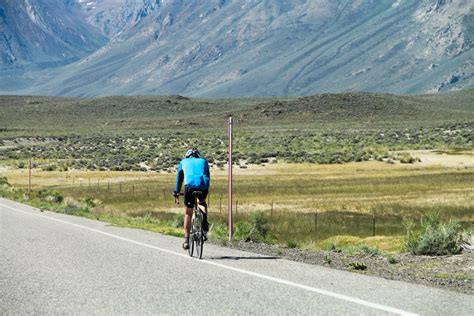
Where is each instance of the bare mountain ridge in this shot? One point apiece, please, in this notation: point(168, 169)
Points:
point(268, 47)
point(45, 33)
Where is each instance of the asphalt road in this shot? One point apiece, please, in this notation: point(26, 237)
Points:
point(54, 263)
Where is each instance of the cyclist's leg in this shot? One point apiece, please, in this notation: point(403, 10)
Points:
point(203, 207)
point(188, 213)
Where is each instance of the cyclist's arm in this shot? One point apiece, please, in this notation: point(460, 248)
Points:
point(179, 178)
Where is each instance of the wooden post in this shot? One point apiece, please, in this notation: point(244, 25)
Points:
point(236, 208)
point(29, 180)
point(231, 223)
point(120, 188)
point(147, 192)
point(316, 225)
point(271, 211)
point(220, 204)
point(373, 222)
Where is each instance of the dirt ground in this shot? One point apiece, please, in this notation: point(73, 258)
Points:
point(454, 273)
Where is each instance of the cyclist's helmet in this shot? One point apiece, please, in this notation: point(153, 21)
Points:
point(193, 153)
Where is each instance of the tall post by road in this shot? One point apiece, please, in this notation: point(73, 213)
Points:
point(231, 224)
point(29, 179)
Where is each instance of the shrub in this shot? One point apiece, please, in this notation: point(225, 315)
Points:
point(4, 182)
point(392, 260)
point(253, 229)
point(218, 232)
point(71, 205)
point(178, 221)
point(357, 265)
point(51, 167)
point(50, 195)
point(407, 158)
point(436, 237)
point(258, 231)
point(90, 202)
point(364, 249)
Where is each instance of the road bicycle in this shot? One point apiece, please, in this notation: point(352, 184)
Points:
point(196, 235)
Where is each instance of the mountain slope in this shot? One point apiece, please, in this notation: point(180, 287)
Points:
point(268, 47)
point(38, 34)
point(44, 33)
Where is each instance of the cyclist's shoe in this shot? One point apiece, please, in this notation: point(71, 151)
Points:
point(186, 244)
point(204, 235)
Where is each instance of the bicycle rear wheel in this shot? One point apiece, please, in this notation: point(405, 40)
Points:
point(191, 243)
point(199, 245)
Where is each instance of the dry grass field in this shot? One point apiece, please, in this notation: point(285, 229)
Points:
point(292, 194)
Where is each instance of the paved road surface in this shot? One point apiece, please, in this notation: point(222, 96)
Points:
point(54, 263)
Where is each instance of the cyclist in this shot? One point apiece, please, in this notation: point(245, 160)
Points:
point(194, 172)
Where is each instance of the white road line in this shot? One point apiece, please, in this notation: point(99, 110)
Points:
point(255, 274)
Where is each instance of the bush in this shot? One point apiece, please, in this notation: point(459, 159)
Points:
point(258, 231)
point(436, 237)
point(407, 158)
point(51, 167)
point(218, 232)
point(178, 221)
point(4, 182)
point(50, 196)
point(71, 205)
point(90, 202)
point(357, 265)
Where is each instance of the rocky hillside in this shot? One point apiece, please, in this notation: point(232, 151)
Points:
point(269, 47)
point(45, 33)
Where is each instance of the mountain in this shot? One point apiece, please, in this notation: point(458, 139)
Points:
point(113, 16)
point(45, 33)
point(270, 47)
point(38, 34)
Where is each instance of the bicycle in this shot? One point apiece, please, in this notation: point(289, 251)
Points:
point(196, 235)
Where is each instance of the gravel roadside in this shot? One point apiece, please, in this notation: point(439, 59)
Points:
point(455, 273)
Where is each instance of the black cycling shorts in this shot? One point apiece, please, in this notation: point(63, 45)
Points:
point(189, 197)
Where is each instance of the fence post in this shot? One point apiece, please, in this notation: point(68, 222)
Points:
point(147, 192)
point(236, 208)
point(316, 225)
point(373, 222)
point(133, 189)
point(120, 187)
point(29, 179)
point(220, 204)
point(271, 211)
point(108, 186)
point(89, 181)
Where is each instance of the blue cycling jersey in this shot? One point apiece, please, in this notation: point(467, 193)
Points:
point(194, 172)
